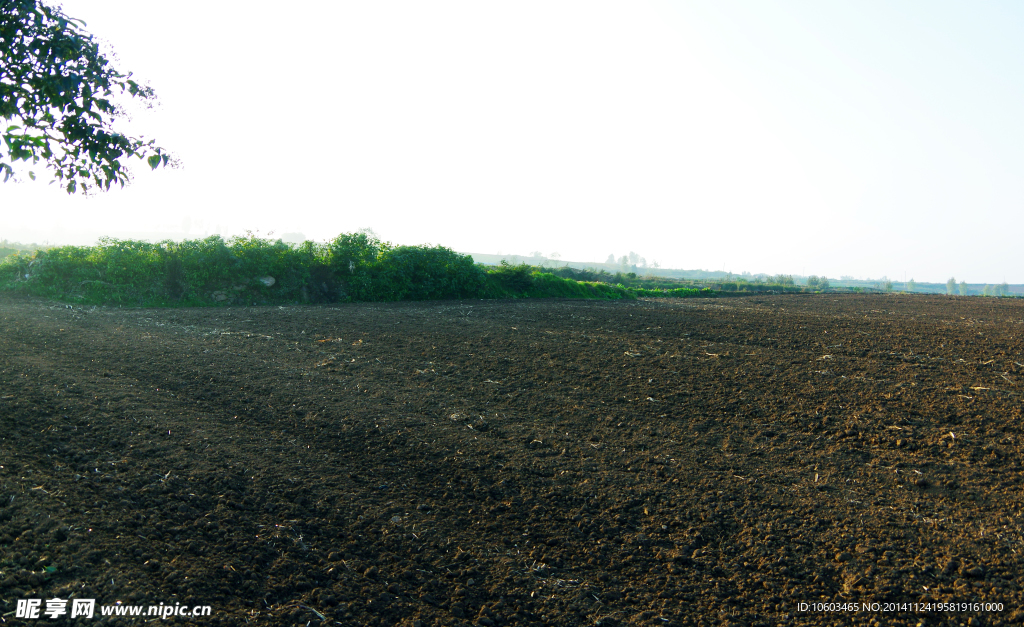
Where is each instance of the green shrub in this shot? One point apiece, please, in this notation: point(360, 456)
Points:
point(195, 268)
point(352, 259)
point(419, 273)
point(13, 268)
point(512, 279)
point(577, 274)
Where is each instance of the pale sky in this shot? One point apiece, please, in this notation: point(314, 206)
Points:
point(838, 138)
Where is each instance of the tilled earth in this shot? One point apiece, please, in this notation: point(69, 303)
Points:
point(690, 462)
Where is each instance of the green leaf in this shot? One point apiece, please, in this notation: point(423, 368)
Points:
point(154, 161)
point(32, 175)
point(55, 64)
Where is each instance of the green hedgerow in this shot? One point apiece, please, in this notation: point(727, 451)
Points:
point(250, 269)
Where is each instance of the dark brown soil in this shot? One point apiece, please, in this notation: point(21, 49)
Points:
point(518, 463)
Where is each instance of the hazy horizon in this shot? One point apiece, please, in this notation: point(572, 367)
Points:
point(847, 138)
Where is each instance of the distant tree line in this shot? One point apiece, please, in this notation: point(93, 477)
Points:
point(817, 283)
point(1000, 290)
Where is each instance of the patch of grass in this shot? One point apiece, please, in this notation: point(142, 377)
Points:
point(678, 292)
point(547, 285)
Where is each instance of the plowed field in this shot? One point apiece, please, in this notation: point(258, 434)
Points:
point(692, 462)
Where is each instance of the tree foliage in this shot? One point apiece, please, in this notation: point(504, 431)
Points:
point(426, 273)
point(251, 270)
point(57, 101)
